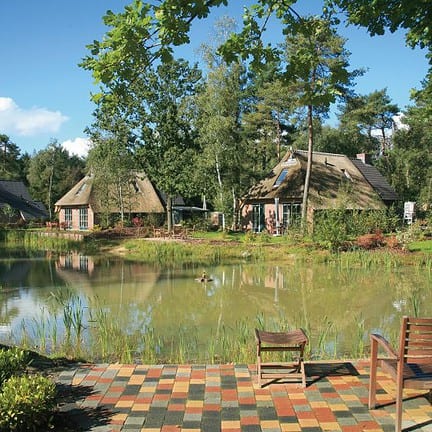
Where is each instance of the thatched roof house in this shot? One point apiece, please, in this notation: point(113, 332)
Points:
point(335, 180)
point(82, 207)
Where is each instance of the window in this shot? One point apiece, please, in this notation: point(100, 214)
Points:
point(291, 214)
point(258, 217)
point(81, 189)
point(281, 177)
point(83, 218)
point(68, 217)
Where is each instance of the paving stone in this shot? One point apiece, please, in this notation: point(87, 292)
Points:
point(212, 398)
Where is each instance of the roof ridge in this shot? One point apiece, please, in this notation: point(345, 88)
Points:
point(322, 153)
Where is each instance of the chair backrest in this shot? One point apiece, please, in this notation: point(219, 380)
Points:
point(416, 340)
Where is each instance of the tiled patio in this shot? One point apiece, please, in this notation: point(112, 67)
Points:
point(226, 398)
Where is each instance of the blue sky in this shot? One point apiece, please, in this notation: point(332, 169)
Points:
point(44, 95)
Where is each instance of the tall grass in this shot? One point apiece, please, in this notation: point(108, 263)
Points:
point(86, 329)
point(169, 253)
point(37, 240)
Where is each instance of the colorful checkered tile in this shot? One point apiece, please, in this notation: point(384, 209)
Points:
point(227, 398)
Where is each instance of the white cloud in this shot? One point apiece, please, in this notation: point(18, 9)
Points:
point(28, 122)
point(77, 146)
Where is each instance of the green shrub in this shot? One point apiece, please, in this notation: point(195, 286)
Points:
point(12, 362)
point(333, 228)
point(330, 228)
point(27, 403)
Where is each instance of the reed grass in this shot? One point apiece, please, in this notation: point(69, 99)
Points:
point(358, 348)
point(219, 248)
point(36, 240)
point(169, 253)
point(90, 332)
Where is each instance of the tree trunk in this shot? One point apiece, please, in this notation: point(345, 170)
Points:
point(278, 138)
point(235, 214)
point(121, 202)
point(308, 168)
point(50, 192)
point(220, 192)
point(169, 213)
point(384, 143)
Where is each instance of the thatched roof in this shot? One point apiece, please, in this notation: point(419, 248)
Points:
point(335, 180)
point(140, 196)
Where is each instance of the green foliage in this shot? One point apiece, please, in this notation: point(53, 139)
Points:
point(333, 229)
point(381, 15)
point(8, 211)
point(408, 166)
point(12, 164)
point(366, 113)
point(340, 140)
point(423, 246)
point(412, 233)
point(27, 403)
point(219, 174)
point(34, 240)
point(267, 122)
point(52, 172)
point(12, 361)
point(330, 229)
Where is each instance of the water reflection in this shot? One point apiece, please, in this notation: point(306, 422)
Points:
point(352, 302)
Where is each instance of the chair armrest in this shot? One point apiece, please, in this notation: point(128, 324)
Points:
point(383, 343)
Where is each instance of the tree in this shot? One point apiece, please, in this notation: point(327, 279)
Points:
point(11, 164)
point(218, 123)
point(267, 121)
point(111, 161)
point(163, 104)
point(152, 30)
point(317, 73)
point(368, 114)
point(146, 33)
point(52, 172)
point(339, 140)
point(379, 15)
point(219, 129)
point(8, 211)
point(142, 35)
point(408, 165)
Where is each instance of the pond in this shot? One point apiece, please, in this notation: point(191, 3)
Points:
point(338, 307)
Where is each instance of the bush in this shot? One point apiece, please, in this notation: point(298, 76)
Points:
point(371, 241)
point(335, 227)
point(13, 361)
point(392, 242)
point(330, 229)
point(412, 233)
point(27, 403)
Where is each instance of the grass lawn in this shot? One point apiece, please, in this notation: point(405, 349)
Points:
point(421, 246)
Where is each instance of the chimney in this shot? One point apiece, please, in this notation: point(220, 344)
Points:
point(365, 158)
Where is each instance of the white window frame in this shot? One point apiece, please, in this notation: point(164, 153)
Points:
point(83, 218)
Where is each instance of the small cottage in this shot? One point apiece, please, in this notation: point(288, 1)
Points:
point(275, 203)
point(86, 203)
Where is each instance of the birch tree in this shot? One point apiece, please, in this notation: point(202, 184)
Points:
point(317, 74)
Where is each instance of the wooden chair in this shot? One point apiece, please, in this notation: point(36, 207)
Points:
point(410, 366)
point(295, 341)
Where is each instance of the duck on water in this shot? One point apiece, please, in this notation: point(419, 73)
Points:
point(204, 278)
